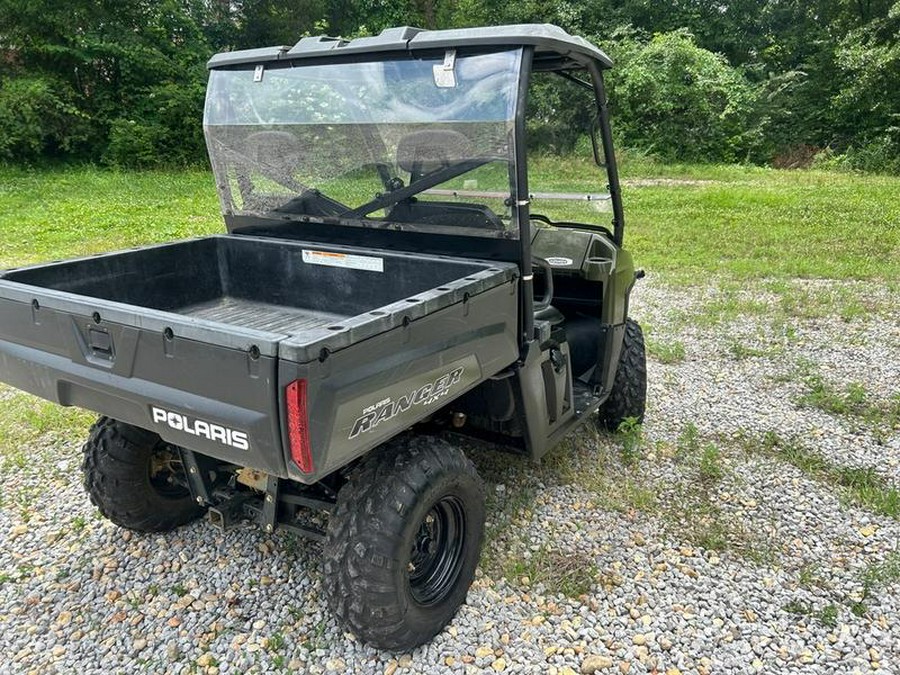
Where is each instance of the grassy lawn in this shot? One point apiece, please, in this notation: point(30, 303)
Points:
point(47, 215)
point(682, 220)
point(756, 222)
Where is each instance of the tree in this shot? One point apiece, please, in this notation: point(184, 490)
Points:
point(122, 81)
point(866, 109)
point(109, 79)
point(682, 102)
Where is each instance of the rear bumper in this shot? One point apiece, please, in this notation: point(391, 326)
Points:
point(213, 400)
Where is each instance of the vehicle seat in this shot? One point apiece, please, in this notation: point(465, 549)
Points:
point(422, 153)
point(551, 314)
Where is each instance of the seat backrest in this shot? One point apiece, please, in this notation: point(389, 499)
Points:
point(424, 152)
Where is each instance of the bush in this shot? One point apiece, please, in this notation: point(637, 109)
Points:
point(681, 102)
point(37, 119)
point(166, 129)
point(881, 155)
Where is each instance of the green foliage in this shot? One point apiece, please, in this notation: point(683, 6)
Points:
point(37, 118)
point(705, 458)
point(122, 82)
point(861, 485)
point(632, 436)
point(789, 83)
point(571, 573)
point(682, 102)
point(666, 352)
point(167, 129)
point(883, 414)
point(710, 465)
point(867, 107)
point(560, 114)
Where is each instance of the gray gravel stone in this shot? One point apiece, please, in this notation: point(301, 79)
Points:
point(80, 595)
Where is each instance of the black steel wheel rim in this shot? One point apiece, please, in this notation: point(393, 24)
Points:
point(436, 557)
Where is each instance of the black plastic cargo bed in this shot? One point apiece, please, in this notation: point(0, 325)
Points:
point(263, 288)
point(207, 329)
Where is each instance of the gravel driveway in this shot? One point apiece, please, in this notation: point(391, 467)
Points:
point(739, 531)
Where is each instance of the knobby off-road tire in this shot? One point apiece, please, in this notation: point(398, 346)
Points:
point(125, 474)
point(403, 542)
point(629, 395)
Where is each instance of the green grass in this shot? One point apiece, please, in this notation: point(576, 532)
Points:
point(731, 220)
point(827, 615)
point(741, 351)
point(666, 352)
point(752, 221)
point(861, 485)
point(728, 306)
point(46, 215)
point(710, 467)
point(809, 576)
point(852, 401)
point(571, 573)
point(694, 510)
point(881, 414)
point(874, 579)
point(27, 421)
point(883, 574)
point(632, 436)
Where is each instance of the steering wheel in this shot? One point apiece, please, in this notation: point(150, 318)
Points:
point(544, 302)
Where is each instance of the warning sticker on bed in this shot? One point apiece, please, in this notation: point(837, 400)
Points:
point(348, 260)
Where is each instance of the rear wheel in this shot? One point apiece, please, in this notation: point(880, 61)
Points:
point(403, 542)
point(629, 395)
point(135, 479)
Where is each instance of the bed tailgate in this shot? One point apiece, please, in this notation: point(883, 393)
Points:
point(205, 388)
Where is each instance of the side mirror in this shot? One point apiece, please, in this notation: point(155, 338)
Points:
point(596, 144)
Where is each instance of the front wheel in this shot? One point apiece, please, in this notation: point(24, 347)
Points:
point(403, 542)
point(135, 479)
point(628, 398)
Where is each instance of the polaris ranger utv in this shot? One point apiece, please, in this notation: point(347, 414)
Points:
point(392, 277)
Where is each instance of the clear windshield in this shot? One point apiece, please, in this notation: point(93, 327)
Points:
point(565, 183)
point(383, 143)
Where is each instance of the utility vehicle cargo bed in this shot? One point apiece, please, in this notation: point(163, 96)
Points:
point(211, 328)
point(267, 290)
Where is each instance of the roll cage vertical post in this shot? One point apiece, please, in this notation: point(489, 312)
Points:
point(521, 201)
point(609, 156)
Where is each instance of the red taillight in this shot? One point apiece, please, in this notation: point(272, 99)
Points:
point(298, 425)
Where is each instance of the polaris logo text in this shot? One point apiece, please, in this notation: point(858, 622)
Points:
point(195, 427)
point(389, 408)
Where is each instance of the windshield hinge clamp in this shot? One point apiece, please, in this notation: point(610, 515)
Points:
point(445, 73)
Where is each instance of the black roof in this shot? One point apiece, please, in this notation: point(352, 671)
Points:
point(547, 40)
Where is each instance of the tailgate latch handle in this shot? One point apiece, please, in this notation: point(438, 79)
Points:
point(101, 343)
